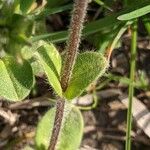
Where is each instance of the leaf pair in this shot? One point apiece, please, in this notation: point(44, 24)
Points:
point(18, 77)
point(88, 67)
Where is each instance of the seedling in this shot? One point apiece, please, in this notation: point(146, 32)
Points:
point(64, 131)
point(62, 126)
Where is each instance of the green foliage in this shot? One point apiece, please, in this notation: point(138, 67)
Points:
point(49, 11)
point(16, 79)
point(10, 7)
point(146, 21)
point(25, 5)
point(90, 28)
point(136, 13)
point(28, 53)
point(53, 3)
point(51, 62)
point(71, 129)
point(18, 31)
point(88, 67)
point(20, 27)
point(95, 26)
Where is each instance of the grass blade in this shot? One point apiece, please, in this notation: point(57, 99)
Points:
point(135, 14)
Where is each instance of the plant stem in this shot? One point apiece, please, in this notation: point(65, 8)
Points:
point(76, 26)
point(131, 85)
point(57, 123)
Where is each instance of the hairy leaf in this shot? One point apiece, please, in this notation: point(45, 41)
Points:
point(16, 79)
point(135, 14)
point(88, 67)
point(51, 62)
point(71, 129)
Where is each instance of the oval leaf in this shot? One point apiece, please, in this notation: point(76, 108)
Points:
point(16, 79)
point(51, 62)
point(88, 67)
point(71, 130)
point(135, 14)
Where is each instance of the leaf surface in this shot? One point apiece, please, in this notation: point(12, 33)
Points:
point(71, 130)
point(51, 62)
point(88, 67)
point(16, 79)
point(135, 14)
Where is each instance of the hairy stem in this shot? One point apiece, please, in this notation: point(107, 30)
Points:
point(76, 26)
point(131, 85)
point(57, 123)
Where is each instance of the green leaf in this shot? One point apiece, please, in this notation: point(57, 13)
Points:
point(25, 5)
point(71, 130)
point(101, 3)
point(50, 11)
point(94, 26)
point(88, 67)
point(10, 7)
point(91, 28)
point(16, 79)
point(21, 25)
point(102, 39)
point(54, 3)
point(28, 53)
point(51, 62)
point(146, 21)
point(135, 14)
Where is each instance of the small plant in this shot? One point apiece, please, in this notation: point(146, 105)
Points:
point(24, 53)
point(62, 126)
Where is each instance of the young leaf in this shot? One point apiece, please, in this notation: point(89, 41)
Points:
point(88, 67)
point(51, 62)
point(135, 14)
point(71, 129)
point(16, 79)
